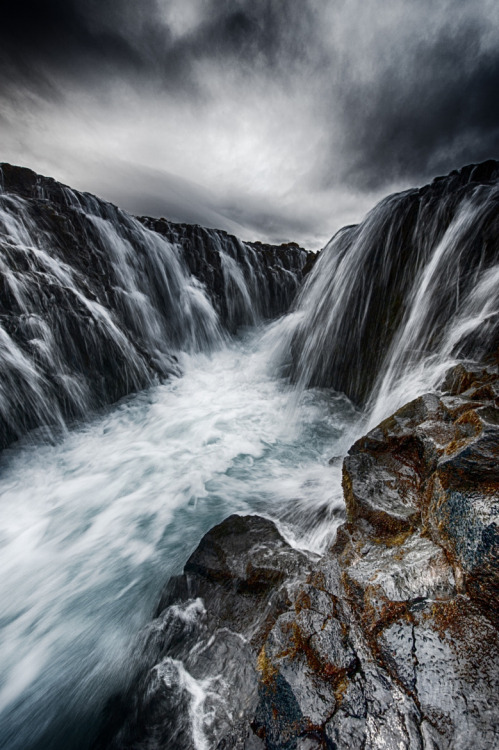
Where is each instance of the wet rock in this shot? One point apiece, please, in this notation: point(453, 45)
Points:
point(460, 379)
point(199, 676)
point(433, 466)
point(384, 472)
point(388, 641)
point(222, 555)
point(393, 642)
point(407, 568)
point(351, 320)
point(95, 305)
point(211, 256)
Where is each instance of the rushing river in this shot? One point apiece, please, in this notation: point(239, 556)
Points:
point(95, 520)
point(92, 526)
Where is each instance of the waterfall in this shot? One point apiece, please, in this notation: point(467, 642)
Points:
point(396, 300)
point(95, 304)
point(247, 281)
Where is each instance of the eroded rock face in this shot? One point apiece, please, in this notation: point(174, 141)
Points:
point(388, 642)
point(434, 466)
point(199, 680)
point(393, 641)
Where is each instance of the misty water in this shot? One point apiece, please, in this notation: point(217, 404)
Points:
point(93, 525)
point(96, 518)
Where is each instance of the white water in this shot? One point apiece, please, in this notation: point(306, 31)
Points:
point(95, 305)
point(92, 527)
point(412, 367)
point(441, 278)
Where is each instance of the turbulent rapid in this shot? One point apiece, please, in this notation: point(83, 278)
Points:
point(145, 397)
point(91, 525)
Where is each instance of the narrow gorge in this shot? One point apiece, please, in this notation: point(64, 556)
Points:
point(249, 494)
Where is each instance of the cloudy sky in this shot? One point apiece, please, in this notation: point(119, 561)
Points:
point(276, 119)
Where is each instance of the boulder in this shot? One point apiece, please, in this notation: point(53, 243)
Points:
point(199, 674)
point(393, 642)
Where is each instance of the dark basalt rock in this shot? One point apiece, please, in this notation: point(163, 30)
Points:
point(211, 621)
point(222, 556)
point(371, 269)
point(434, 466)
point(385, 471)
point(393, 641)
point(311, 261)
point(279, 269)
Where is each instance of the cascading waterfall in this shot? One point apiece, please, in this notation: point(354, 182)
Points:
point(248, 281)
point(394, 302)
point(63, 322)
point(96, 304)
point(427, 345)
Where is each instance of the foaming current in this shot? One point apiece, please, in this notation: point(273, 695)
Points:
point(93, 526)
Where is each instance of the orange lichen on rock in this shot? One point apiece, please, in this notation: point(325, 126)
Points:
point(268, 671)
point(468, 426)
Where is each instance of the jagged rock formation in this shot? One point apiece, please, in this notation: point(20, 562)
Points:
point(388, 641)
point(395, 634)
point(95, 304)
point(200, 653)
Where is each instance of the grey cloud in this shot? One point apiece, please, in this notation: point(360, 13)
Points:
point(389, 93)
point(152, 192)
point(426, 113)
point(84, 39)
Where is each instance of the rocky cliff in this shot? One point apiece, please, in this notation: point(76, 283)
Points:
point(95, 304)
point(416, 282)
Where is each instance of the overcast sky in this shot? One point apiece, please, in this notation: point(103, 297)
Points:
point(276, 119)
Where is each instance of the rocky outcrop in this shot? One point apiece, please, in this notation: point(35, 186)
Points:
point(390, 640)
point(199, 680)
point(96, 304)
point(396, 629)
point(270, 273)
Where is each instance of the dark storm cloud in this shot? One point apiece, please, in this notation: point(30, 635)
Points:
point(430, 110)
point(41, 39)
point(88, 40)
point(286, 112)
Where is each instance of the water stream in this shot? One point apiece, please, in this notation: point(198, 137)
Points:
point(96, 304)
point(92, 526)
